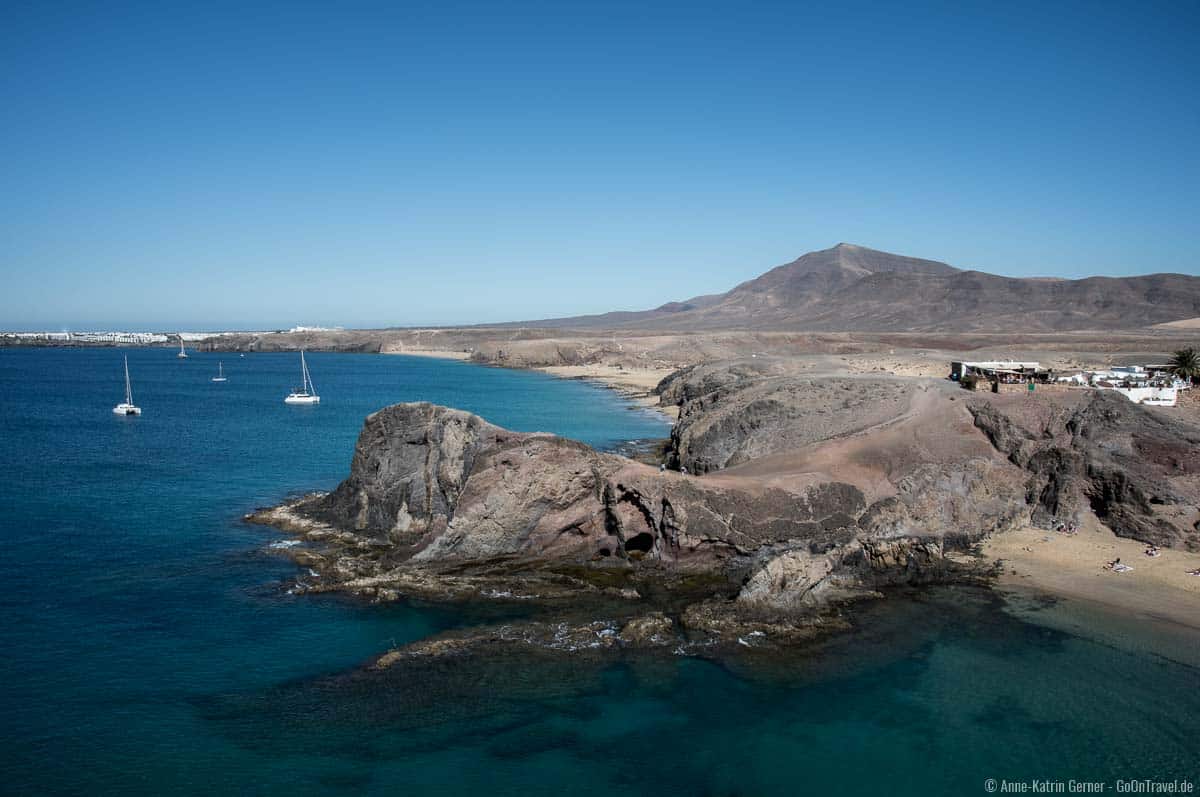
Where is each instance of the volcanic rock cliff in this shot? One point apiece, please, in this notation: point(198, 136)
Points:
point(441, 504)
point(434, 484)
point(803, 494)
point(1138, 470)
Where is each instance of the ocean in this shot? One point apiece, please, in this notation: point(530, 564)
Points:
point(151, 646)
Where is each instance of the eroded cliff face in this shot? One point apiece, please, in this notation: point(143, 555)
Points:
point(911, 537)
point(441, 504)
point(407, 473)
point(805, 493)
point(437, 484)
point(1137, 469)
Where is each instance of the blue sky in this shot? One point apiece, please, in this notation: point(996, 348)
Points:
point(249, 164)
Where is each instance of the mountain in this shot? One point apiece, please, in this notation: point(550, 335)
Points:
point(850, 287)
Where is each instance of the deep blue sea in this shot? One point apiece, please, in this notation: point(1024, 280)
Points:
point(150, 646)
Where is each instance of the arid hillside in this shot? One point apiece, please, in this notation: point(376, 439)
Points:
point(853, 288)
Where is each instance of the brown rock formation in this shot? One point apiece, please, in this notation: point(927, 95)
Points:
point(735, 412)
point(1137, 469)
point(437, 484)
point(439, 503)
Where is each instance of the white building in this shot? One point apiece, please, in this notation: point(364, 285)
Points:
point(992, 367)
point(38, 335)
point(120, 338)
point(1150, 396)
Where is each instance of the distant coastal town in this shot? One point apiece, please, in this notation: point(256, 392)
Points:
point(112, 338)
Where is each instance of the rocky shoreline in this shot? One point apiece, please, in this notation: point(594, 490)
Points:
point(442, 506)
point(577, 605)
point(812, 495)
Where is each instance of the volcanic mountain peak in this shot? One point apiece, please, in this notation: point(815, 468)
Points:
point(854, 288)
point(865, 260)
point(818, 275)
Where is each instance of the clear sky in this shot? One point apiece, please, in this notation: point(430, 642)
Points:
point(252, 164)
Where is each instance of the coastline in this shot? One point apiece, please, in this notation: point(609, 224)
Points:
point(437, 354)
point(635, 384)
point(1072, 567)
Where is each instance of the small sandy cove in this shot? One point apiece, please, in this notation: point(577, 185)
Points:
point(633, 382)
point(440, 354)
point(1074, 566)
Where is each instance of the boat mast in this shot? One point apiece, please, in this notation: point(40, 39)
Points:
point(308, 385)
point(128, 389)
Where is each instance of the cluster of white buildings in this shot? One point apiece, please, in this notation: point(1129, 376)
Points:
point(1153, 385)
point(1141, 384)
point(123, 338)
point(114, 338)
point(1002, 370)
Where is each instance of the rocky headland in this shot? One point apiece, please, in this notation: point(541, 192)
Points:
point(802, 496)
point(820, 457)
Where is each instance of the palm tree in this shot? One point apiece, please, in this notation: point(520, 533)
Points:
point(1185, 364)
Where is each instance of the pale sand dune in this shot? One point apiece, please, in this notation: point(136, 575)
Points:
point(1073, 567)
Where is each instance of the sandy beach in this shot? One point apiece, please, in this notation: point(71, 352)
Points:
point(633, 382)
point(1073, 567)
point(440, 354)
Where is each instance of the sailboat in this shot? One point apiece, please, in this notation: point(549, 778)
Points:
point(126, 407)
point(182, 354)
point(306, 394)
point(220, 377)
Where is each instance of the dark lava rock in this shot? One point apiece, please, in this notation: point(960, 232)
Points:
point(1135, 467)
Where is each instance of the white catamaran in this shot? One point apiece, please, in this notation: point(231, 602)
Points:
point(126, 407)
point(306, 394)
point(182, 354)
point(220, 377)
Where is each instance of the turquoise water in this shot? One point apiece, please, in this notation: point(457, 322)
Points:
point(150, 646)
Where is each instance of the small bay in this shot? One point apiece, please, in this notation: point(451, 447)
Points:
point(151, 646)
